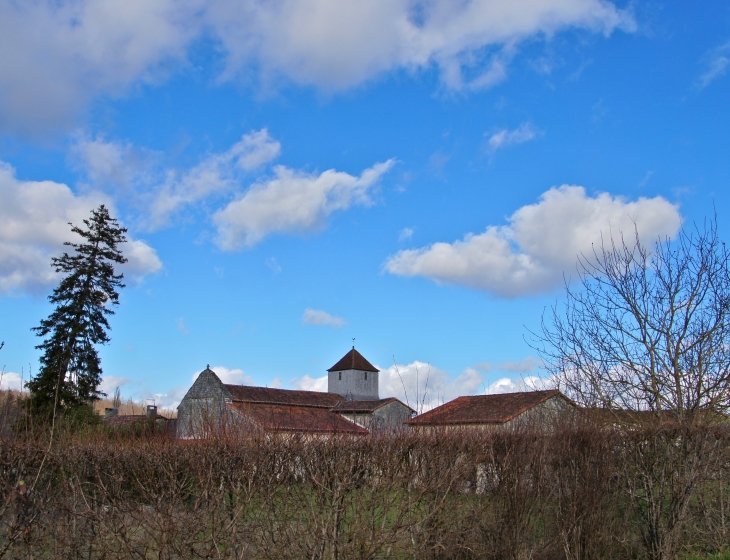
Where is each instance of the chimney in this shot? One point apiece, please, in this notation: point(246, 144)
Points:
point(110, 412)
point(151, 412)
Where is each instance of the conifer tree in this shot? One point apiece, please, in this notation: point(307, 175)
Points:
point(70, 369)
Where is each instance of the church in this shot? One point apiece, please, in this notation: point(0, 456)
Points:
point(351, 405)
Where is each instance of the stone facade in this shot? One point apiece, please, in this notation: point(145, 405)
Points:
point(390, 416)
point(203, 408)
point(354, 384)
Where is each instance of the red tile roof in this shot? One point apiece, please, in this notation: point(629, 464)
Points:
point(483, 409)
point(264, 395)
point(297, 419)
point(353, 360)
point(364, 407)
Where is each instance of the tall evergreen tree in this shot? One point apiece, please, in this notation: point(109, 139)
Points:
point(70, 370)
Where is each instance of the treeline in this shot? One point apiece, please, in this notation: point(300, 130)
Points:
point(572, 491)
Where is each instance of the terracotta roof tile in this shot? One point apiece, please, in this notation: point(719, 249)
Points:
point(353, 360)
point(264, 395)
point(297, 419)
point(365, 406)
point(482, 409)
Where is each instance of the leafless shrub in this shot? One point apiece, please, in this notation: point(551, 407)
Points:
point(531, 492)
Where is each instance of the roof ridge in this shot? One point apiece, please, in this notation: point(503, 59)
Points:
point(279, 403)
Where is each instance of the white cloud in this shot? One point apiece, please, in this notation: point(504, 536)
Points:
point(169, 400)
point(716, 64)
point(505, 137)
point(540, 244)
point(229, 376)
point(418, 384)
point(307, 383)
point(160, 193)
point(61, 55)
point(111, 163)
point(423, 386)
point(142, 259)
point(34, 217)
point(292, 201)
point(111, 382)
point(336, 45)
point(216, 174)
point(405, 234)
point(58, 55)
point(256, 149)
point(321, 318)
point(529, 383)
point(11, 381)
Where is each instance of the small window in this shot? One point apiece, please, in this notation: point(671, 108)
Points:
point(340, 376)
point(366, 376)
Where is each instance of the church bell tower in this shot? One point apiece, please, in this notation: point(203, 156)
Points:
point(354, 378)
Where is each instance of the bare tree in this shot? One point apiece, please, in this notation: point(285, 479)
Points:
point(644, 336)
point(646, 329)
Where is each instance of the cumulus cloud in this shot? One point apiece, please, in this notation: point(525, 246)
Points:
point(505, 137)
point(60, 55)
point(111, 163)
point(716, 63)
point(256, 149)
point(169, 400)
point(418, 384)
point(540, 244)
point(217, 173)
point(321, 318)
point(308, 383)
point(136, 173)
point(11, 381)
point(289, 201)
point(424, 386)
point(528, 383)
point(335, 45)
point(34, 217)
point(292, 201)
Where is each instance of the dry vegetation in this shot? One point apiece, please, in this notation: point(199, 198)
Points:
point(130, 406)
point(573, 491)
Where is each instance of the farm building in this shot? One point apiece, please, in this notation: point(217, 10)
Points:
point(350, 406)
point(490, 411)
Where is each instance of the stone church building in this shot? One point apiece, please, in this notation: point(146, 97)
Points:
point(351, 405)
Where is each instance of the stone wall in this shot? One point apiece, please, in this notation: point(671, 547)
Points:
point(203, 407)
point(353, 384)
point(389, 417)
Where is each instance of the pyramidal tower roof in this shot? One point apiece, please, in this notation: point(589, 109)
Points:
point(353, 360)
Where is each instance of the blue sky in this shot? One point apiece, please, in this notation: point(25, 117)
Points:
point(419, 175)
